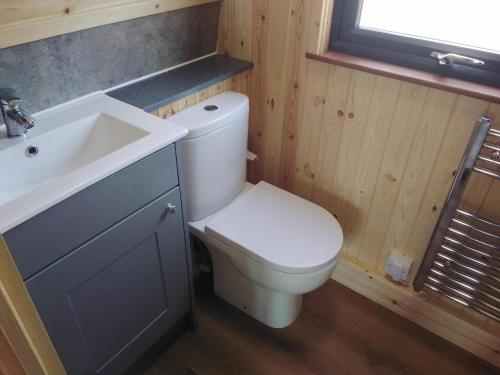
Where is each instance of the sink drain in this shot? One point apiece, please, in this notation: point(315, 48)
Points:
point(31, 151)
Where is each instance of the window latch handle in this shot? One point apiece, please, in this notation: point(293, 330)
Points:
point(452, 58)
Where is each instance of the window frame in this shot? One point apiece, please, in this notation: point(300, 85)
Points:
point(403, 50)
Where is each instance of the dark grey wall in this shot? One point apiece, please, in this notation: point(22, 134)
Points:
point(54, 70)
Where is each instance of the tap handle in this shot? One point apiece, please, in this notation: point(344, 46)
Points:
point(9, 96)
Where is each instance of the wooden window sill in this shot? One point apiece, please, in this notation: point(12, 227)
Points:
point(457, 86)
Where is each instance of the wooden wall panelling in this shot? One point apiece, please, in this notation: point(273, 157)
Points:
point(26, 21)
point(373, 142)
point(269, 77)
point(275, 37)
point(308, 131)
point(298, 90)
point(239, 83)
point(236, 36)
point(295, 66)
point(307, 22)
point(257, 106)
point(435, 118)
point(330, 134)
point(396, 153)
point(355, 120)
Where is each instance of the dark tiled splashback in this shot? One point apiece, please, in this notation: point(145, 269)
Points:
point(55, 70)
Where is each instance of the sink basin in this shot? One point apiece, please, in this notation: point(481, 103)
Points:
point(61, 151)
point(71, 147)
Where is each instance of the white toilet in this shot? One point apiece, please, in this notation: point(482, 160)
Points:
point(268, 246)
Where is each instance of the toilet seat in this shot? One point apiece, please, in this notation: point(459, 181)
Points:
point(279, 229)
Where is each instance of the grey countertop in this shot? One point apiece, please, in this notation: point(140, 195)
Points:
point(158, 91)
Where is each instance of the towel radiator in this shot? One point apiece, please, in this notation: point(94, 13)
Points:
point(462, 261)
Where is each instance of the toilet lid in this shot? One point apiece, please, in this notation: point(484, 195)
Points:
point(279, 229)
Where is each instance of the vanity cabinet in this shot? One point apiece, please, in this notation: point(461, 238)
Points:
point(106, 298)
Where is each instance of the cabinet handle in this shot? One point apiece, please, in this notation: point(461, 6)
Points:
point(170, 208)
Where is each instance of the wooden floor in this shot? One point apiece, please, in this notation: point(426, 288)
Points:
point(338, 332)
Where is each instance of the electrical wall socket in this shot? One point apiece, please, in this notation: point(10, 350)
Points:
point(398, 267)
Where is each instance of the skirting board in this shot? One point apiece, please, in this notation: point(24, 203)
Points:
point(407, 303)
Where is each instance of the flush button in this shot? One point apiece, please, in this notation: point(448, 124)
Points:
point(211, 108)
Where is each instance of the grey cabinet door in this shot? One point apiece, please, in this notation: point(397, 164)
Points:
point(62, 228)
point(106, 302)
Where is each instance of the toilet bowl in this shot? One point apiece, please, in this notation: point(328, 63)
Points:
point(268, 246)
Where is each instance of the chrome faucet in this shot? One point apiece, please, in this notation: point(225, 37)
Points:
point(17, 120)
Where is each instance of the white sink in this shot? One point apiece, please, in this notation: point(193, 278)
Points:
point(74, 145)
point(61, 151)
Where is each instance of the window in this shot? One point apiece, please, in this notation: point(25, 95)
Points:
point(456, 38)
